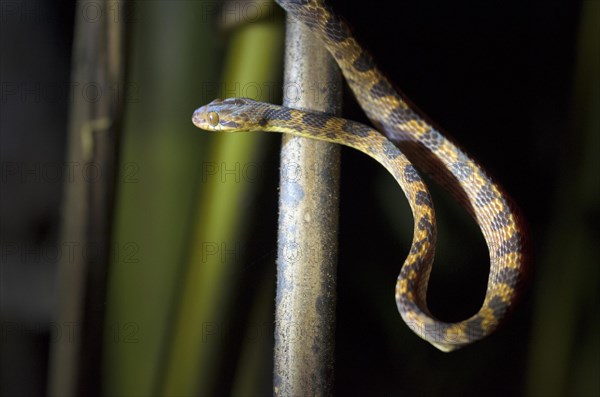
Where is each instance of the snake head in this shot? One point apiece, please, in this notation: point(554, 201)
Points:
point(232, 114)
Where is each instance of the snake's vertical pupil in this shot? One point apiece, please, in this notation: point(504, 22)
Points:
point(213, 118)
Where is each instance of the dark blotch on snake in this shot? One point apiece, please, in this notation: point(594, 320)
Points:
point(432, 139)
point(400, 115)
point(404, 301)
point(390, 150)
point(382, 88)
point(407, 304)
point(508, 276)
point(278, 114)
point(501, 219)
point(422, 198)
point(363, 63)
point(357, 129)
point(461, 170)
point(416, 248)
point(485, 196)
point(315, 120)
point(410, 174)
point(424, 223)
point(513, 244)
point(498, 306)
point(474, 329)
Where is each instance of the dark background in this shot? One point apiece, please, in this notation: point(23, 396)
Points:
point(499, 76)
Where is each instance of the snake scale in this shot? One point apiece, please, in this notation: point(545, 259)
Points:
point(401, 137)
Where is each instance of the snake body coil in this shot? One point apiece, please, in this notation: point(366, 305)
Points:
point(424, 146)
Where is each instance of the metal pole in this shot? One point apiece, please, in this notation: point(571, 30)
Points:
point(308, 224)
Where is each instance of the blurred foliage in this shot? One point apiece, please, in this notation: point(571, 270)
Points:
point(161, 155)
point(214, 270)
point(565, 351)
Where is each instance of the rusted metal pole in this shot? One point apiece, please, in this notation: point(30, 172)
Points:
point(308, 225)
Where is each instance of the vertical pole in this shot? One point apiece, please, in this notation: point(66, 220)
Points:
point(308, 225)
point(93, 141)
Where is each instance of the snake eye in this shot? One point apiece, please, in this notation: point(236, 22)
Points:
point(213, 119)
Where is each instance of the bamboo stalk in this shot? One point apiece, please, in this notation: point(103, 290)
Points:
point(162, 155)
point(95, 121)
point(307, 233)
point(199, 340)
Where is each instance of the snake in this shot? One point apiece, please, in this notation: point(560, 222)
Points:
point(404, 142)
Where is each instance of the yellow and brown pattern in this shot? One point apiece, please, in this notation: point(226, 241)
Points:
point(424, 146)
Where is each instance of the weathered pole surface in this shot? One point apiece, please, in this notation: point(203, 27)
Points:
point(308, 226)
